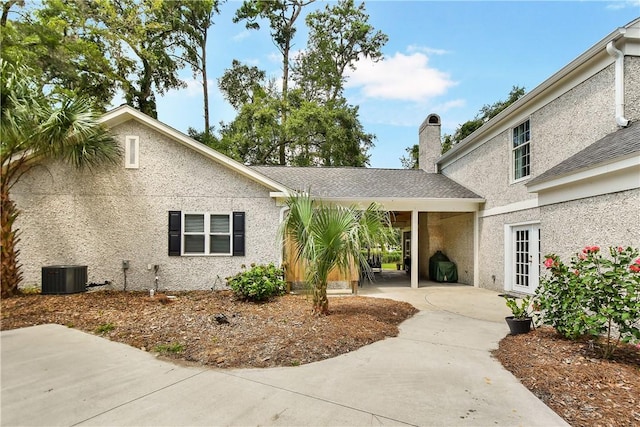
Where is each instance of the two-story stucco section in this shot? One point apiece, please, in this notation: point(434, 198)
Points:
point(100, 218)
point(563, 117)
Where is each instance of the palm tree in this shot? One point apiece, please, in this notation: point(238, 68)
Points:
point(329, 236)
point(36, 128)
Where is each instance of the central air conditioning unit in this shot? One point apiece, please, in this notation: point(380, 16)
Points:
point(64, 279)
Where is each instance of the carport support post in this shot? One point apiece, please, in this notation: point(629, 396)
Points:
point(414, 249)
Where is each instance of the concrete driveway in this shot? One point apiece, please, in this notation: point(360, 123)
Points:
point(437, 372)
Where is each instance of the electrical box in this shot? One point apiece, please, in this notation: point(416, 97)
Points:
point(125, 264)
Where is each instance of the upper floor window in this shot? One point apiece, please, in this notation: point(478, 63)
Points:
point(521, 151)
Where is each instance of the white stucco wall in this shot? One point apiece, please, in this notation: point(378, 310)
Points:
point(632, 87)
point(99, 219)
point(559, 129)
point(608, 220)
point(567, 124)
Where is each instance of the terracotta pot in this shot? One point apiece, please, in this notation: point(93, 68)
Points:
point(518, 326)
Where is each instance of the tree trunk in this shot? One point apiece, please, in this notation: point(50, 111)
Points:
point(10, 276)
point(285, 88)
point(320, 300)
point(205, 88)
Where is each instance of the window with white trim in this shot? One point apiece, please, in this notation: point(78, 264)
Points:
point(521, 149)
point(206, 234)
point(131, 152)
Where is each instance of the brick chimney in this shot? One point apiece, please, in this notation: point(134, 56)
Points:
point(429, 140)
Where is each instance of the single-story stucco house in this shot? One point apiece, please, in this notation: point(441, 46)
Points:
point(557, 170)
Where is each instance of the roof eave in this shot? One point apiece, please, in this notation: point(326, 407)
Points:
point(487, 127)
point(620, 164)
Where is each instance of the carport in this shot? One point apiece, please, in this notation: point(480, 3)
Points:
point(434, 212)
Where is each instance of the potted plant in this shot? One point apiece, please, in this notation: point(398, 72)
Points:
point(520, 322)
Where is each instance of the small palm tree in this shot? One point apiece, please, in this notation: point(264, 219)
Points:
point(329, 236)
point(36, 128)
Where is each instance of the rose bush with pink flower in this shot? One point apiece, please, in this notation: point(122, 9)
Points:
point(593, 295)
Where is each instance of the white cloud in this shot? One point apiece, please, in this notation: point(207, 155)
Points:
point(192, 89)
point(426, 50)
point(622, 4)
point(446, 106)
point(275, 57)
point(241, 36)
point(400, 77)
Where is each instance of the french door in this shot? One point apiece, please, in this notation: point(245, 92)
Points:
point(525, 258)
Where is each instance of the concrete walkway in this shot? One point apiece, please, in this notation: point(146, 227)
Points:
point(437, 372)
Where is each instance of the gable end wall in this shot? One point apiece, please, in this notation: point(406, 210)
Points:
point(99, 219)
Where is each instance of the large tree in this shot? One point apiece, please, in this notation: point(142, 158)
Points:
point(339, 36)
point(241, 84)
point(143, 38)
point(311, 123)
point(318, 134)
point(325, 237)
point(64, 48)
point(196, 19)
point(37, 128)
point(282, 16)
point(328, 134)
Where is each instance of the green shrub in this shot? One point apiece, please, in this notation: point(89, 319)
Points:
point(258, 283)
point(593, 295)
point(392, 257)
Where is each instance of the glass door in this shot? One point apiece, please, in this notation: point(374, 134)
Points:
point(525, 258)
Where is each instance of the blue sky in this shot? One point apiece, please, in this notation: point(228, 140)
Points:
point(448, 58)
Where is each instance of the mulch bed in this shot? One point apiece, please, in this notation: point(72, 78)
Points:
point(572, 379)
point(283, 332)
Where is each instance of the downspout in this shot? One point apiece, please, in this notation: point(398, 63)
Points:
point(619, 83)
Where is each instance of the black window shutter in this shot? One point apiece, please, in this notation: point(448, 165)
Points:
point(175, 225)
point(238, 234)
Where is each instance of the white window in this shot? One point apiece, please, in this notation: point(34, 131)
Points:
point(131, 152)
point(206, 234)
point(521, 149)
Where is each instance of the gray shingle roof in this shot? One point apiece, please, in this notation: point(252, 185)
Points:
point(618, 144)
point(369, 183)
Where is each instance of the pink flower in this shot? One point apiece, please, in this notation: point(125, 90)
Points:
point(637, 261)
point(595, 248)
point(548, 262)
point(582, 256)
point(620, 249)
point(635, 268)
point(576, 272)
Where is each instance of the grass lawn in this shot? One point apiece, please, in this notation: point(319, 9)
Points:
point(390, 266)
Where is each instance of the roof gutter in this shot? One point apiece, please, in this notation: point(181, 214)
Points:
point(619, 81)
